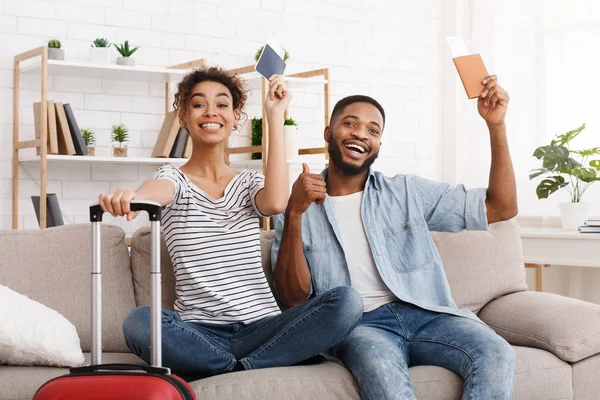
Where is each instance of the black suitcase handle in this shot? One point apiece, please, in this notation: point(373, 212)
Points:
point(119, 367)
point(151, 207)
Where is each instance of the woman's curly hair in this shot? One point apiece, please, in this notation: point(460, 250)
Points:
point(234, 83)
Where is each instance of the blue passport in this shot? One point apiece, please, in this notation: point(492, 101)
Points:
point(269, 63)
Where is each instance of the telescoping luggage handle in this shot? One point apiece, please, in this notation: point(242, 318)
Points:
point(154, 211)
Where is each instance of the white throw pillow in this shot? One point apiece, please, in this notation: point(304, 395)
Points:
point(33, 334)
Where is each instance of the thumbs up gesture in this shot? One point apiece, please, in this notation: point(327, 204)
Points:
point(307, 189)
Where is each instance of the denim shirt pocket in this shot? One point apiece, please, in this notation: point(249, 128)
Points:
point(409, 246)
point(318, 258)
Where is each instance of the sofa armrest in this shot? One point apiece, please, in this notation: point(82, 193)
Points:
point(568, 328)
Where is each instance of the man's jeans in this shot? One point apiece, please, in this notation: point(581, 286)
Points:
point(398, 335)
point(200, 349)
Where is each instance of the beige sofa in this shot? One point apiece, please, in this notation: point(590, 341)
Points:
point(556, 339)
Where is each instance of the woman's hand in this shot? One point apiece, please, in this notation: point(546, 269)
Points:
point(278, 98)
point(117, 203)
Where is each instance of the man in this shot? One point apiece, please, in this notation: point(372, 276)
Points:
point(353, 226)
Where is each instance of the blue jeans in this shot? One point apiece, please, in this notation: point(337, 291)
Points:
point(398, 335)
point(201, 349)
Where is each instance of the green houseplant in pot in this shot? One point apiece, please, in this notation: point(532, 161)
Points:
point(290, 130)
point(574, 170)
point(100, 51)
point(89, 138)
point(120, 135)
point(126, 53)
point(55, 52)
point(256, 136)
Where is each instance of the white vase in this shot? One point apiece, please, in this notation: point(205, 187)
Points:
point(291, 145)
point(100, 55)
point(56, 54)
point(573, 215)
point(129, 61)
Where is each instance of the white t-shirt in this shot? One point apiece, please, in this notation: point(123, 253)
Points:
point(363, 271)
point(214, 245)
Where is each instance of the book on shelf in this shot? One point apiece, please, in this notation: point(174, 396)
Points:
point(592, 223)
point(166, 137)
point(53, 214)
point(180, 143)
point(80, 147)
point(52, 147)
point(189, 146)
point(589, 229)
point(65, 141)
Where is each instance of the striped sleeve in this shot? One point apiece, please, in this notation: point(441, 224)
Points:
point(172, 174)
point(257, 183)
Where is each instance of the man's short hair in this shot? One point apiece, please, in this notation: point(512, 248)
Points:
point(357, 98)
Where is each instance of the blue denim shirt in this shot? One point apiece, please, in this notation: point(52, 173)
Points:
point(397, 214)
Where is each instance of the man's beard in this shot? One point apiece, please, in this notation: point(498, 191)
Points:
point(336, 157)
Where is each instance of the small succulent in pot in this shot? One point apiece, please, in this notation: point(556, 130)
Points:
point(89, 138)
point(120, 135)
point(100, 52)
point(126, 52)
point(55, 52)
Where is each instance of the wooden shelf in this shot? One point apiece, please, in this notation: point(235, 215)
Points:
point(82, 69)
point(105, 160)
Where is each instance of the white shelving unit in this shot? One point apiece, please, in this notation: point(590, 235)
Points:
point(36, 62)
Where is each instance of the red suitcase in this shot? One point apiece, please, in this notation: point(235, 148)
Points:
point(120, 381)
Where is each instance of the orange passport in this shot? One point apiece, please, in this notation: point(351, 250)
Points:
point(471, 71)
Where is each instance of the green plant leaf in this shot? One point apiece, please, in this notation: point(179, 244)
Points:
point(534, 173)
point(549, 186)
point(567, 137)
point(595, 164)
point(585, 174)
point(588, 152)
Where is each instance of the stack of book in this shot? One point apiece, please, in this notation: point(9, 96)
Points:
point(64, 136)
point(590, 226)
point(173, 141)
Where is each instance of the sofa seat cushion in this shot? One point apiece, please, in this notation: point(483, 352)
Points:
point(586, 385)
point(53, 266)
point(540, 376)
point(20, 383)
point(328, 380)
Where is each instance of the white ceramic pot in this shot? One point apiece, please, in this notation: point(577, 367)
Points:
point(291, 144)
point(100, 55)
point(56, 54)
point(129, 61)
point(573, 215)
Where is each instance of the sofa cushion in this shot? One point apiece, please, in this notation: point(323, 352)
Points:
point(482, 265)
point(20, 383)
point(141, 262)
point(586, 385)
point(53, 266)
point(566, 327)
point(540, 376)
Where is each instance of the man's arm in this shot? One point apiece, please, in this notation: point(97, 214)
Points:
point(501, 200)
point(291, 275)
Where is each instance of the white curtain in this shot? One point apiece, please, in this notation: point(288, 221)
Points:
point(546, 56)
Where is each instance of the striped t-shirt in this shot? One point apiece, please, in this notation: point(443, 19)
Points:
point(214, 245)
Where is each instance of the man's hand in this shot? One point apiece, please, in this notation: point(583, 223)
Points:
point(493, 101)
point(308, 188)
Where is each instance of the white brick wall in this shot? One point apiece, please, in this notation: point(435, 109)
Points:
point(387, 49)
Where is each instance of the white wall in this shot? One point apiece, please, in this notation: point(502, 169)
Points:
point(391, 50)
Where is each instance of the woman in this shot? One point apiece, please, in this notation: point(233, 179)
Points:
point(226, 317)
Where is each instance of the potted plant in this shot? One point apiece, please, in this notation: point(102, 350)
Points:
point(256, 136)
point(99, 52)
point(286, 55)
point(290, 130)
point(89, 138)
point(126, 53)
point(571, 169)
point(54, 50)
point(120, 135)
